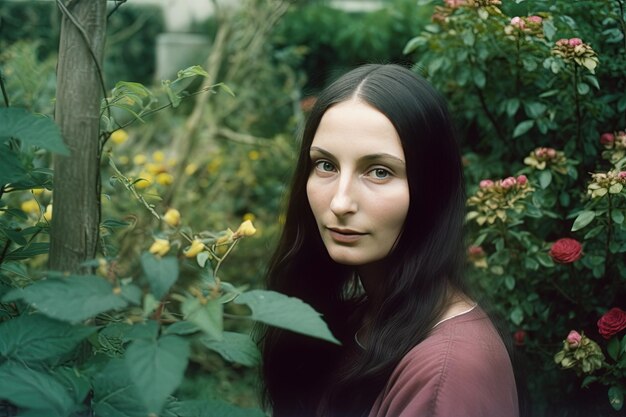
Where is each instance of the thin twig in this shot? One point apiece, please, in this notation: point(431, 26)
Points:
point(4, 91)
point(5, 249)
point(118, 3)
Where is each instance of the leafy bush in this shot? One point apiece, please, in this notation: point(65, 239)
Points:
point(533, 94)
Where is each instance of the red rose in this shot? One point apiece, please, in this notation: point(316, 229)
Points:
point(519, 337)
point(613, 322)
point(566, 250)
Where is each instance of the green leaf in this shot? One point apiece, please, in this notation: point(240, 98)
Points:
point(182, 328)
point(115, 395)
point(544, 259)
point(208, 317)
point(549, 29)
point(31, 130)
point(34, 338)
point(479, 78)
point(468, 37)
point(289, 313)
point(157, 367)
point(517, 316)
point(31, 389)
point(616, 397)
point(523, 127)
point(512, 105)
point(534, 109)
point(617, 216)
point(212, 408)
point(25, 252)
point(583, 219)
point(545, 178)
point(72, 299)
point(161, 273)
point(235, 347)
point(75, 383)
point(193, 71)
point(613, 348)
point(11, 168)
point(509, 282)
point(582, 88)
point(413, 44)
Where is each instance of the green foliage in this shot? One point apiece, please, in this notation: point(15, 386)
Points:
point(532, 109)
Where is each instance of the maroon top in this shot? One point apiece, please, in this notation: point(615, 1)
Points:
point(461, 370)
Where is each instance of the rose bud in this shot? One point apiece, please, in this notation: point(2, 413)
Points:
point(607, 139)
point(534, 19)
point(508, 182)
point(486, 183)
point(551, 152)
point(519, 337)
point(575, 42)
point(573, 339)
point(621, 175)
point(522, 180)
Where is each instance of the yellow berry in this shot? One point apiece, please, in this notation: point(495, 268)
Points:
point(119, 136)
point(172, 217)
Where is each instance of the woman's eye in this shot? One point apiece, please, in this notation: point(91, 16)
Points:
point(325, 166)
point(380, 173)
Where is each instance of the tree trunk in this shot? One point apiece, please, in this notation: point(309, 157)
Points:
point(76, 204)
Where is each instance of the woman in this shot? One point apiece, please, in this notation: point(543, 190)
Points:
point(373, 240)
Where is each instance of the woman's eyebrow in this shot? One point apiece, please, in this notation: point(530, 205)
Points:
point(367, 158)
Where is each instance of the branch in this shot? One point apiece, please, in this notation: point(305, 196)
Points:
point(4, 91)
point(118, 3)
point(242, 138)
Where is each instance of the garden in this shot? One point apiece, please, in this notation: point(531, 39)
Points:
point(137, 215)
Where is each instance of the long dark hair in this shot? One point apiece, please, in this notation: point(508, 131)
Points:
point(307, 377)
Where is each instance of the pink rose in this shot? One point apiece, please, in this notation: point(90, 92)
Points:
point(566, 250)
point(551, 152)
point(575, 42)
point(612, 322)
point(573, 339)
point(522, 180)
point(517, 21)
point(508, 182)
point(622, 175)
point(607, 139)
point(534, 19)
point(485, 183)
point(562, 42)
point(475, 251)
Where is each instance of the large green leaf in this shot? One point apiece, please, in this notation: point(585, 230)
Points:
point(28, 388)
point(72, 299)
point(208, 317)
point(11, 168)
point(161, 273)
point(25, 252)
point(34, 338)
point(115, 395)
point(212, 408)
point(583, 219)
point(289, 313)
point(156, 367)
point(31, 130)
point(235, 347)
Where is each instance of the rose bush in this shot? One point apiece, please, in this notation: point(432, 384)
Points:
point(552, 231)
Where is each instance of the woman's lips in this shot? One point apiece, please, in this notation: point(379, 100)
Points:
point(344, 235)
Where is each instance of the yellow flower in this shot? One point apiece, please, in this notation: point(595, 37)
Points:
point(227, 237)
point(30, 206)
point(172, 217)
point(249, 216)
point(191, 169)
point(119, 136)
point(158, 156)
point(37, 191)
point(164, 178)
point(195, 248)
point(246, 229)
point(139, 159)
point(146, 180)
point(48, 213)
point(160, 247)
point(253, 155)
point(154, 169)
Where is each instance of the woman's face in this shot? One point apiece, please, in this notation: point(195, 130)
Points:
point(357, 189)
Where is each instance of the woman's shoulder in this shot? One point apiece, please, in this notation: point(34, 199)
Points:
point(461, 369)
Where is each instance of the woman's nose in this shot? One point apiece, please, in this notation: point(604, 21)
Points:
point(343, 201)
